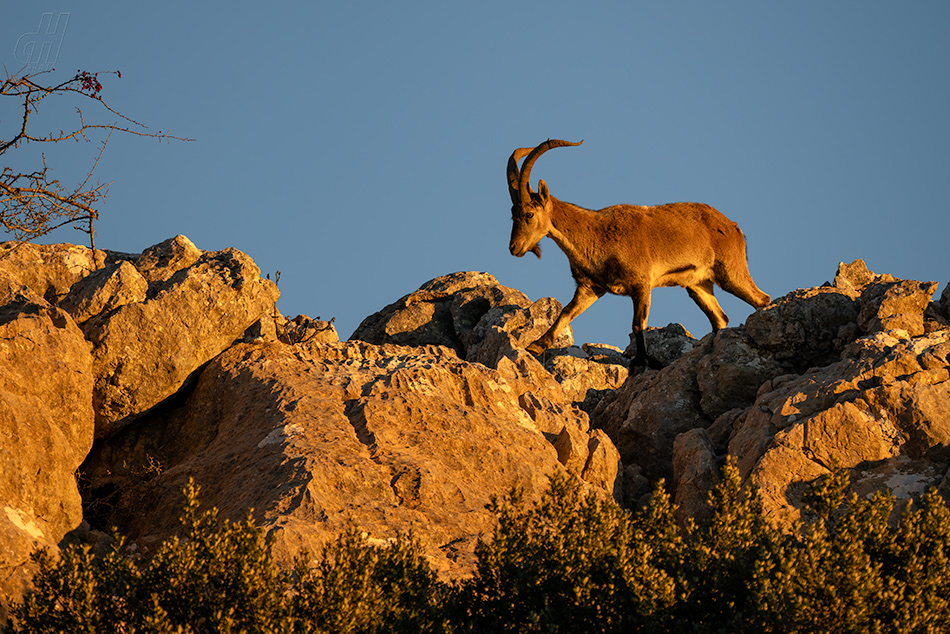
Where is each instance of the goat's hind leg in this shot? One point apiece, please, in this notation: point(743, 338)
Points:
point(702, 294)
point(741, 284)
point(584, 296)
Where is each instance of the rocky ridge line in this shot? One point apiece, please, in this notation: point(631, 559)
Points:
point(146, 370)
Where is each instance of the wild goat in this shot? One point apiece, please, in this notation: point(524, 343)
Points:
point(629, 250)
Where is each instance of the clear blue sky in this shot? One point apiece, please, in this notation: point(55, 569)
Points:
point(360, 147)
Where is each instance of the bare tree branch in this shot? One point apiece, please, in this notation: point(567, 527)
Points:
point(32, 204)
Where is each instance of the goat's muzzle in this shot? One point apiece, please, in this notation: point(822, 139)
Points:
point(519, 253)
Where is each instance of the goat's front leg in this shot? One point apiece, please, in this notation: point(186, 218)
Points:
point(584, 296)
point(641, 313)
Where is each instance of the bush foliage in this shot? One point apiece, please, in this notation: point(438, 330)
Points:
point(571, 562)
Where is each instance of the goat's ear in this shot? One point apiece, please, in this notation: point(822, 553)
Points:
point(543, 190)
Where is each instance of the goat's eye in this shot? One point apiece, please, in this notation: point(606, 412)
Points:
point(528, 215)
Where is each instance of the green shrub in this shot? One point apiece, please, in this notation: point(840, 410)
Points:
point(854, 569)
point(570, 562)
point(219, 577)
point(356, 588)
point(576, 563)
point(718, 566)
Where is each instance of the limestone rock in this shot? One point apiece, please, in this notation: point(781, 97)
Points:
point(721, 375)
point(605, 353)
point(145, 351)
point(499, 350)
point(314, 434)
point(666, 344)
point(603, 466)
point(491, 324)
point(550, 418)
point(646, 414)
point(524, 323)
point(585, 380)
point(730, 374)
point(797, 391)
point(884, 403)
point(897, 305)
point(104, 290)
point(458, 311)
point(49, 270)
point(854, 277)
point(695, 473)
point(302, 328)
point(46, 419)
point(159, 262)
point(572, 451)
point(434, 406)
point(806, 327)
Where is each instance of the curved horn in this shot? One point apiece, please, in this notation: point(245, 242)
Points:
point(529, 162)
point(514, 176)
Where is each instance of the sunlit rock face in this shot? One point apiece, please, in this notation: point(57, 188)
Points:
point(46, 426)
point(851, 375)
point(313, 435)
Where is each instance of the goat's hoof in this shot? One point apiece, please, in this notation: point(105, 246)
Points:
point(646, 361)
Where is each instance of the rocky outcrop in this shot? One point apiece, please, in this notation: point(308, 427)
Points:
point(492, 324)
point(883, 411)
point(178, 363)
point(49, 270)
point(154, 323)
point(46, 418)
point(88, 342)
point(387, 436)
point(314, 435)
point(457, 311)
point(851, 375)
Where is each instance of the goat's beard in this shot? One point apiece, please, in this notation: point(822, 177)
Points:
point(537, 251)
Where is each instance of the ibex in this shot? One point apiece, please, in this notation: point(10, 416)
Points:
point(629, 250)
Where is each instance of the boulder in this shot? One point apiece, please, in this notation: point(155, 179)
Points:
point(105, 290)
point(897, 305)
point(303, 328)
point(705, 388)
point(808, 327)
point(159, 262)
point(665, 345)
point(695, 474)
point(646, 414)
point(730, 373)
point(458, 310)
point(491, 324)
point(853, 277)
point(46, 418)
point(49, 270)
point(500, 350)
point(604, 468)
point(879, 411)
point(585, 375)
point(145, 351)
point(314, 435)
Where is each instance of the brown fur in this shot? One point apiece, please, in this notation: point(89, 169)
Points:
point(630, 250)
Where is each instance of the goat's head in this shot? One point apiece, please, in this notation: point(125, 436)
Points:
point(530, 211)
